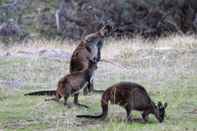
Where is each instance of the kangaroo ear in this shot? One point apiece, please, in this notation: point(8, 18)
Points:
point(165, 105)
point(107, 27)
point(159, 104)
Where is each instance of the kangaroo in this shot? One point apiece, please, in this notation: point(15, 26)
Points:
point(70, 85)
point(89, 48)
point(131, 96)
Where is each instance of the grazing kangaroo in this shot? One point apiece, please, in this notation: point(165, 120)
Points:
point(89, 48)
point(131, 96)
point(70, 85)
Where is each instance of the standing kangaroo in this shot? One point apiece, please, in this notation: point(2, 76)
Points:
point(131, 96)
point(70, 85)
point(89, 48)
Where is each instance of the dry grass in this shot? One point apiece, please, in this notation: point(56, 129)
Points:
point(132, 45)
point(118, 46)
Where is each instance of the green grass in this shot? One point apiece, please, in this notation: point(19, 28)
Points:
point(25, 113)
point(32, 113)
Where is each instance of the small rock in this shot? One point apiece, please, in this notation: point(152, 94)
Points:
point(12, 83)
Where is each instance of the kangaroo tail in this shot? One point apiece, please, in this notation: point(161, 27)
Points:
point(114, 63)
point(42, 93)
point(89, 116)
point(104, 105)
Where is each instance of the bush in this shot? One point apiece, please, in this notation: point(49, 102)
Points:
point(76, 18)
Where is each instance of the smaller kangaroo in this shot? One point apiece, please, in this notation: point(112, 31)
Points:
point(131, 96)
point(70, 85)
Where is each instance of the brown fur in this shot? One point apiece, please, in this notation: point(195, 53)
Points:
point(130, 96)
point(89, 48)
point(70, 85)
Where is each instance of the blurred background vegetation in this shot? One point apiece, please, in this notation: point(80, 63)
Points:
point(72, 19)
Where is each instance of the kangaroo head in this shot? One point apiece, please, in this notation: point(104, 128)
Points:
point(93, 39)
point(106, 30)
point(160, 111)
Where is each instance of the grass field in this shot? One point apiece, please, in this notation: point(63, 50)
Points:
point(167, 69)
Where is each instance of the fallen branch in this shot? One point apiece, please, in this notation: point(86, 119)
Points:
point(113, 63)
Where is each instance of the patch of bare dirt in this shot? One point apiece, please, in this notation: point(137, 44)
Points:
point(56, 54)
point(12, 83)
